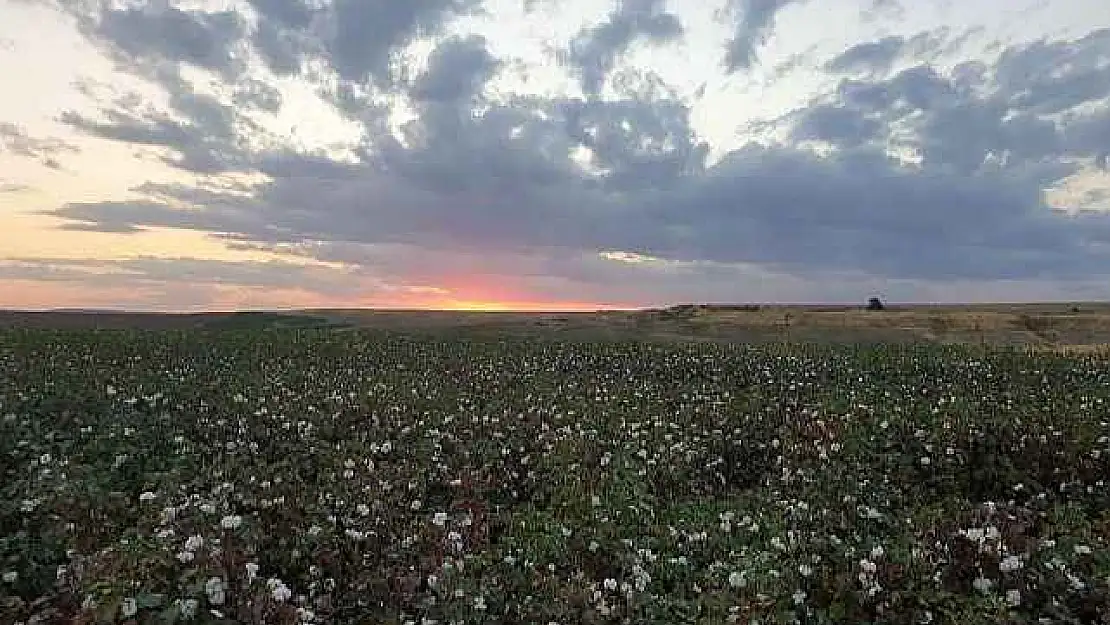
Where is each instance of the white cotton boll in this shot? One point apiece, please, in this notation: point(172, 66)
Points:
point(188, 608)
point(1010, 564)
point(278, 590)
point(129, 607)
point(982, 584)
point(1013, 598)
point(214, 588)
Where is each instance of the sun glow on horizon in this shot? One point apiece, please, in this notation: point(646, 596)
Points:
point(462, 305)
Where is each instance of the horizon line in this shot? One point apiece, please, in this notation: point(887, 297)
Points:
point(528, 310)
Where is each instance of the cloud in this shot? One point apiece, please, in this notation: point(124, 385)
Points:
point(904, 171)
point(359, 38)
point(836, 125)
point(879, 56)
point(296, 14)
point(978, 117)
point(352, 41)
point(595, 51)
point(147, 271)
point(457, 69)
point(872, 56)
point(1047, 78)
point(14, 139)
point(204, 134)
point(256, 94)
point(754, 20)
point(153, 32)
point(877, 9)
point(365, 34)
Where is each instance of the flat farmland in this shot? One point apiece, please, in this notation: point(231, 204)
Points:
point(261, 473)
point(1040, 326)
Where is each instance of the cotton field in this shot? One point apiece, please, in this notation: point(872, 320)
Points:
point(304, 476)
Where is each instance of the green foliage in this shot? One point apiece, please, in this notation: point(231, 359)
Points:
point(274, 475)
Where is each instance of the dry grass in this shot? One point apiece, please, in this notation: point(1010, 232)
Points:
point(1073, 328)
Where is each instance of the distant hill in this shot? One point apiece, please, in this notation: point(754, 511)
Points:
point(1038, 324)
point(105, 320)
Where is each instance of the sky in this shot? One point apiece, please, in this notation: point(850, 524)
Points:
point(551, 154)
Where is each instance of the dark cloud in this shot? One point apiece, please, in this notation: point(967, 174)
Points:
point(365, 34)
point(871, 56)
point(880, 55)
point(595, 51)
point(754, 22)
point(836, 125)
point(859, 210)
point(457, 70)
point(868, 214)
point(284, 50)
point(131, 128)
point(357, 39)
point(961, 200)
point(643, 139)
point(14, 139)
point(199, 38)
point(980, 117)
point(204, 134)
point(1046, 78)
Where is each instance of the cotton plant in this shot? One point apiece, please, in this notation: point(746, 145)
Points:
point(416, 481)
